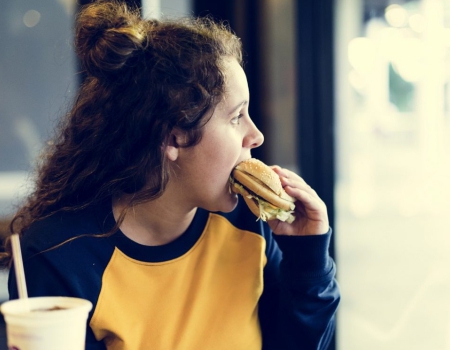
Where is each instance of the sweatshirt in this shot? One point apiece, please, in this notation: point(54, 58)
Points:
point(226, 283)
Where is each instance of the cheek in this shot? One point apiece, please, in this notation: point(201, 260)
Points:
point(219, 149)
point(223, 145)
point(232, 141)
point(217, 164)
point(225, 156)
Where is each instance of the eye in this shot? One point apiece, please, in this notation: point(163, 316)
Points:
point(237, 120)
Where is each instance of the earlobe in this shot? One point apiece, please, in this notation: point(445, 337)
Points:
point(173, 145)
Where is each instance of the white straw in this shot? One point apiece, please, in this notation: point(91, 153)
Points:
point(18, 266)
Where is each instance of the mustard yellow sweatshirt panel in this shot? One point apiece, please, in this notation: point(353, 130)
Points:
point(204, 299)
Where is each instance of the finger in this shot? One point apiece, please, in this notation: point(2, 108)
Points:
point(298, 182)
point(306, 198)
point(280, 171)
point(285, 174)
point(310, 200)
point(289, 178)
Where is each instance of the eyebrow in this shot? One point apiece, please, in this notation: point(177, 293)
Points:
point(238, 106)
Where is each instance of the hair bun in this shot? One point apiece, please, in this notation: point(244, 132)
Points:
point(108, 34)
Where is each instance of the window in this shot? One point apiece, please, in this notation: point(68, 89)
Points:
point(393, 189)
point(37, 81)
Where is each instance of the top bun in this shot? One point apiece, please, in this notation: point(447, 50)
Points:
point(262, 172)
point(265, 175)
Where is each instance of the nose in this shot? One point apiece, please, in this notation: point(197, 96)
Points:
point(253, 138)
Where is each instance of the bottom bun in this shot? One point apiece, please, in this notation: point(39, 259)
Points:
point(282, 201)
point(262, 209)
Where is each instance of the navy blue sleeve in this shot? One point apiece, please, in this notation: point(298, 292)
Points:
point(72, 269)
point(43, 279)
point(300, 298)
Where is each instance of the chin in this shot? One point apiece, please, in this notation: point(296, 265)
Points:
point(232, 204)
point(225, 204)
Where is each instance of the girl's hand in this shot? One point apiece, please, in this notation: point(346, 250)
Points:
point(310, 211)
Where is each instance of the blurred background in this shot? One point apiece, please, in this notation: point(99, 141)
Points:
point(352, 94)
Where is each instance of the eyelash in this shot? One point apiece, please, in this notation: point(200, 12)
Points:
point(236, 120)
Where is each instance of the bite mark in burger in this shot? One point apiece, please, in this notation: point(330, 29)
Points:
point(262, 191)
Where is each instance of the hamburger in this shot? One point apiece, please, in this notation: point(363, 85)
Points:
point(262, 191)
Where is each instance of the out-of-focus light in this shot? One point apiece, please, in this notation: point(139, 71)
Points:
point(396, 15)
point(14, 184)
point(409, 71)
point(31, 18)
point(446, 36)
point(362, 194)
point(362, 54)
point(408, 60)
point(417, 23)
point(356, 81)
point(388, 41)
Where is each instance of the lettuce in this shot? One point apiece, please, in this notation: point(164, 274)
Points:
point(266, 210)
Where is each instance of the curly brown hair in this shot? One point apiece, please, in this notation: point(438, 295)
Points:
point(143, 79)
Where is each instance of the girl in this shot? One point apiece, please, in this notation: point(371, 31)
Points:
point(132, 209)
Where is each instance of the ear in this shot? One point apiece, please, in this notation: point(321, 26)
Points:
point(172, 146)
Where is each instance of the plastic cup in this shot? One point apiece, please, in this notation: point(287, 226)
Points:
point(50, 323)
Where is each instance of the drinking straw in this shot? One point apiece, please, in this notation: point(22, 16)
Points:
point(18, 266)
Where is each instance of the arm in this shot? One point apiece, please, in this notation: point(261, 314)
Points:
point(301, 295)
point(300, 298)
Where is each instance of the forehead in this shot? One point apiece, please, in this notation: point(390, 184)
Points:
point(236, 86)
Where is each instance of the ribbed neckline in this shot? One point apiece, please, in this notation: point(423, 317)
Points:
point(155, 254)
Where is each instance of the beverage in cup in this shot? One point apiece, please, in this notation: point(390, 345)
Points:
point(50, 323)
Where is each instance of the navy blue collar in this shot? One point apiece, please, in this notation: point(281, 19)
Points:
point(165, 252)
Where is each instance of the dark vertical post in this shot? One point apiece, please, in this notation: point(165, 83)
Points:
point(315, 102)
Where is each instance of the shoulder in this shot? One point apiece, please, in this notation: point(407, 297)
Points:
point(61, 256)
point(65, 226)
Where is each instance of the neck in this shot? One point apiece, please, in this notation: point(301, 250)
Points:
point(153, 223)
